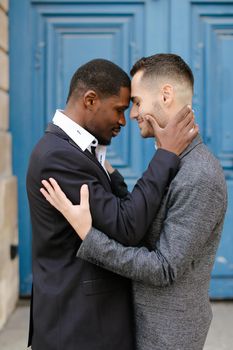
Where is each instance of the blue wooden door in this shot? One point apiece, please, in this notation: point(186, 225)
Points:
point(49, 39)
point(204, 37)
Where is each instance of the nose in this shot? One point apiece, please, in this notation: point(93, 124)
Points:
point(133, 113)
point(122, 120)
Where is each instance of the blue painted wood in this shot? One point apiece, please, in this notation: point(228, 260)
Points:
point(72, 35)
point(224, 261)
point(21, 126)
point(56, 36)
point(206, 41)
point(221, 288)
point(108, 2)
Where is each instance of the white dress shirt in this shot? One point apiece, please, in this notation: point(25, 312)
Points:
point(80, 136)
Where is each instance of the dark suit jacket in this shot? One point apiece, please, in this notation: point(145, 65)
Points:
point(77, 305)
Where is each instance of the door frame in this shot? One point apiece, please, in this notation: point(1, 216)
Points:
point(24, 127)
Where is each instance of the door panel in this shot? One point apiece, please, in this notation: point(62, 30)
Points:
point(208, 46)
point(69, 35)
point(57, 36)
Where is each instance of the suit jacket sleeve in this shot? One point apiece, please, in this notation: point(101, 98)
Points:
point(193, 213)
point(124, 219)
point(119, 187)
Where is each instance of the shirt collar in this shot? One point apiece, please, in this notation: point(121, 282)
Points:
point(79, 135)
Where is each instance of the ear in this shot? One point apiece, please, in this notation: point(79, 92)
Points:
point(90, 99)
point(167, 94)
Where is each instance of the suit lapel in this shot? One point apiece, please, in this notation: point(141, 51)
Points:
point(54, 129)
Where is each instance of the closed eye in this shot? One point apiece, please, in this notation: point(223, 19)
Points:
point(135, 101)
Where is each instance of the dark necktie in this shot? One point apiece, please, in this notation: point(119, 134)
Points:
point(93, 150)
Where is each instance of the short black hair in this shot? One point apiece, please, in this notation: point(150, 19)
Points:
point(164, 64)
point(100, 75)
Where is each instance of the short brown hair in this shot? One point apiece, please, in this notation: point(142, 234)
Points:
point(164, 64)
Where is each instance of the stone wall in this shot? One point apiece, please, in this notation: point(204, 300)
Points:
point(9, 280)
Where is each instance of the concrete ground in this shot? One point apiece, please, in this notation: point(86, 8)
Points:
point(220, 337)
